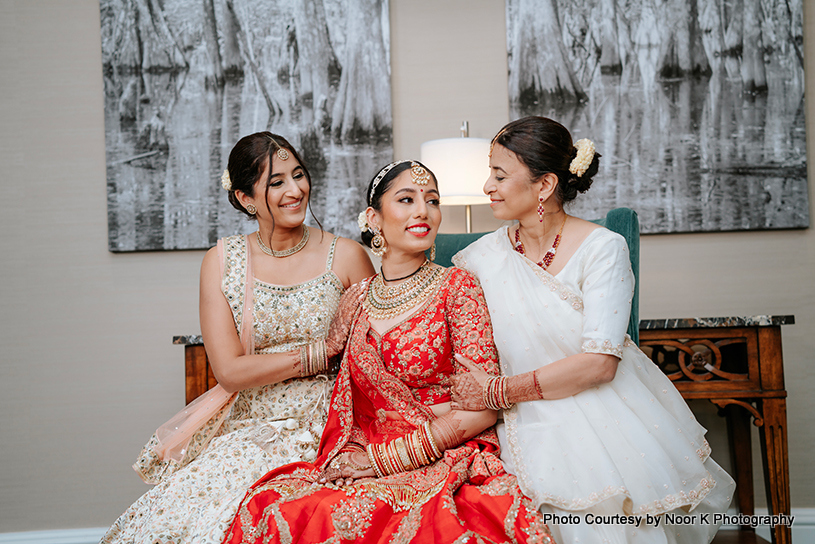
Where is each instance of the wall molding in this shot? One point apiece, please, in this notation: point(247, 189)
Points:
point(61, 536)
point(803, 530)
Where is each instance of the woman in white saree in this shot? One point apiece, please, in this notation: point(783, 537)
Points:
point(597, 435)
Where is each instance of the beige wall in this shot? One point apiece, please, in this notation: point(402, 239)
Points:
point(86, 367)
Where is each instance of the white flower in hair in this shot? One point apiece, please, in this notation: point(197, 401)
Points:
point(226, 181)
point(362, 220)
point(585, 154)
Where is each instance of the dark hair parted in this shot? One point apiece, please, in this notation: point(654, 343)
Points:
point(382, 187)
point(545, 146)
point(248, 159)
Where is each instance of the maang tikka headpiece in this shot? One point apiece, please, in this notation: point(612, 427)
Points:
point(418, 174)
point(282, 152)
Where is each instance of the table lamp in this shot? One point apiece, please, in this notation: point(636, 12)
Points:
point(461, 166)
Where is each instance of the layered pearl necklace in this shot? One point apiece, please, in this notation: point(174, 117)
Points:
point(286, 252)
point(550, 254)
point(384, 302)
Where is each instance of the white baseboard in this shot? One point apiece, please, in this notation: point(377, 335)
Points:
point(63, 536)
point(803, 530)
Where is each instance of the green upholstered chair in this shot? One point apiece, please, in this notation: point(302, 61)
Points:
point(620, 220)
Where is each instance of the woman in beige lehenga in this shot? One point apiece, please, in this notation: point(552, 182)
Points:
point(269, 292)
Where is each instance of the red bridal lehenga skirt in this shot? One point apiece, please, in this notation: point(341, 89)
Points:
point(464, 497)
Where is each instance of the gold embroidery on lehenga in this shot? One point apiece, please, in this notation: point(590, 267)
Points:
point(408, 527)
point(352, 517)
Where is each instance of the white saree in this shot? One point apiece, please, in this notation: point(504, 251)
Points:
point(629, 447)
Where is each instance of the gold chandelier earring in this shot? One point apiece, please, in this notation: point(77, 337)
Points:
point(433, 252)
point(378, 246)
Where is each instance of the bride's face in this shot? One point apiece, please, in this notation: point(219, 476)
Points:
point(513, 194)
point(410, 215)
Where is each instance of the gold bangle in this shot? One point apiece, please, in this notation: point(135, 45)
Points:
point(436, 451)
point(303, 361)
point(372, 459)
point(404, 456)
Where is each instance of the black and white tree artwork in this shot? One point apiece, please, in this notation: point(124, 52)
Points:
point(185, 79)
point(697, 106)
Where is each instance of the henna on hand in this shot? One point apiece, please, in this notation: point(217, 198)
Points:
point(447, 432)
point(467, 393)
point(523, 387)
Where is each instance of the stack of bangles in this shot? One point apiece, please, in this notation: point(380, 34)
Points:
point(495, 393)
point(405, 453)
point(313, 359)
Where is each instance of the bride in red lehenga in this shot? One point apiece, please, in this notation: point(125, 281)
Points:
point(396, 464)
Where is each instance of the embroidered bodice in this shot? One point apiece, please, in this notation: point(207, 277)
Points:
point(285, 316)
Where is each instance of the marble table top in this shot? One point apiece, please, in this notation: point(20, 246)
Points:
point(712, 322)
point(645, 324)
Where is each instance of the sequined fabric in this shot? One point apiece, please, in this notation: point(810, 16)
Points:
point(267, 426)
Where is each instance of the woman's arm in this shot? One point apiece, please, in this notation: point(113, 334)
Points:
point(564, 378)
point(607, 286)
point(234, 370)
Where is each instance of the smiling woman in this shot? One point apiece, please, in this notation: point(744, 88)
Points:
point(396, 463)
point(266, 302)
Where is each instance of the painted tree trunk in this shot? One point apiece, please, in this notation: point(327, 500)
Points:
point(538, 65)
point(210, 32)
point(362, 110)
point(316, 60)
point(711, 28)
point(610, 61)
point(753, 75)
point(231, 58)
point(683, 50)
point(158, 46)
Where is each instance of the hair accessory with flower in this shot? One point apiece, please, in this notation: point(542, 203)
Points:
point(226, 181)
point(362, 220)
point(585, 154)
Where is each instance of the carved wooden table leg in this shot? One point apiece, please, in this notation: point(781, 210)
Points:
point(741, 453)
point(776, 464)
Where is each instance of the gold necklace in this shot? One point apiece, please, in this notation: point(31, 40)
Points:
point(286, 252)
point(384, 302)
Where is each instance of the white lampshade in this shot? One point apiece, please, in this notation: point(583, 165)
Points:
point(461, 166)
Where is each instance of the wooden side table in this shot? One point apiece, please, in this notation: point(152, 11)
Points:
point(735, 363)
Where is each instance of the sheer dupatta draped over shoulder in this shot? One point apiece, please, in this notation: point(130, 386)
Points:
point(633, 439)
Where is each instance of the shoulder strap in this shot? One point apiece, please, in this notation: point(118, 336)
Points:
point(330, 261)
point(247, 333)
point(220, 249)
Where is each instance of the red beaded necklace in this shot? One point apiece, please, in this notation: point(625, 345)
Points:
point(550, 255)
